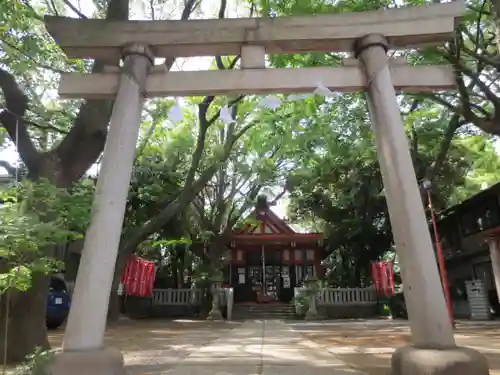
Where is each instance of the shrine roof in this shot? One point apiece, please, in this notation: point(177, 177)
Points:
point(473, 200)
point(271, 229)
point(299, 238)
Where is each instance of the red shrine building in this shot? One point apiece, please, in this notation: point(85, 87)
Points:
point(268, 259)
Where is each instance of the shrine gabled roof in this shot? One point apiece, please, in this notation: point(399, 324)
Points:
point(274, 227)
point(280, 224)
point(273, 223)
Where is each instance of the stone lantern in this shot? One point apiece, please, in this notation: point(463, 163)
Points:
point(215, 313)
point(311, 283)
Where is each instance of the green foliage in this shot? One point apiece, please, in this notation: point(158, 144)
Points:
point(338, 187)
point(35, 363)
point(184, 242)
point(33, 218)
point(301, 303)
point(207, 273)
point(27, 51)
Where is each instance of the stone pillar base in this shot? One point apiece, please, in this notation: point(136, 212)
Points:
point(107, 361)
point(215, 314)
point(410, 360)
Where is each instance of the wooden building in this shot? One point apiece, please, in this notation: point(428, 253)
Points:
point(467, 232)
point(268, 259)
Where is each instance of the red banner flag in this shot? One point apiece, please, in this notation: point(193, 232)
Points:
point(390, 277)
point(376, 277)
point(138, 277)
point(383, 278)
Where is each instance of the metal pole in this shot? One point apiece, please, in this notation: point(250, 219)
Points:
point(440, 259)
point(263, 270)
point(304, 265)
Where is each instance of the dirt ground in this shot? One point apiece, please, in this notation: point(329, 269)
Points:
point(149, 346)
point(368, 345)
point(135, 335)
point(155, 346)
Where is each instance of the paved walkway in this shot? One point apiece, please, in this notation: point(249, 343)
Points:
point(251, 348)
point(341, 347)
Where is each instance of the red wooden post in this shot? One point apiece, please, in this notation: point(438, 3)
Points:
point(440, 259)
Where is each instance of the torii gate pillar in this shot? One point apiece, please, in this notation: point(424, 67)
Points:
point(433, 350)
point(83, 351)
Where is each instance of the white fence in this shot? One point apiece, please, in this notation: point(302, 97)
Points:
point(186, 297)
point(325, 296)
point(341, 296)
point(176, 297)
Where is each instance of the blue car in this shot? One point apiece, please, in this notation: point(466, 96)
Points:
point(58, 303)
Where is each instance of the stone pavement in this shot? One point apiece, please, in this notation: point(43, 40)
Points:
point(154, 347)
point(367, 345)
point(251, 348)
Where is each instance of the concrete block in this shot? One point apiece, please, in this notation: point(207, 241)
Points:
point(410, 360)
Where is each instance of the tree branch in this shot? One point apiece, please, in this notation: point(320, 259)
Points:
point(278, 197)
point(192, 187)
point(36, 62)
point(85, 141)
point(203, 121)
point(74, 9)
point(232, 103)
point(54, 7)
point(189, 8)
point(11, 170)
point(12, 118)
point(46, 127)
point(152, 7)
point(444, 147)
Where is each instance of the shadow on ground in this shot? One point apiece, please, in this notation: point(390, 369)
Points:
point(154, 346)
point(368, 345)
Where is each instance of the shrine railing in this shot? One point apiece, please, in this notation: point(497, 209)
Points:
point(187, 297)
point(341, 296)
point(176, 297)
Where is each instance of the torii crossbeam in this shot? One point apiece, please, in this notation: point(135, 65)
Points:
point(369, 35)
point(403, 28)
point(252, 38)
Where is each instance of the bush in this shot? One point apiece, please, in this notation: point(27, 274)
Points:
point(383, 307)
point(398, 306)
point(301, 303)
point(35, 364)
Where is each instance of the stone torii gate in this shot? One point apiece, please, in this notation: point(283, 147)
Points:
point(369, 35)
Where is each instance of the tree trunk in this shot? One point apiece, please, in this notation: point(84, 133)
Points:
point(495, 7)
point(175, 273)
point(180, 279)
point(114, 298)
point(114, 310)
point(26, 321)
